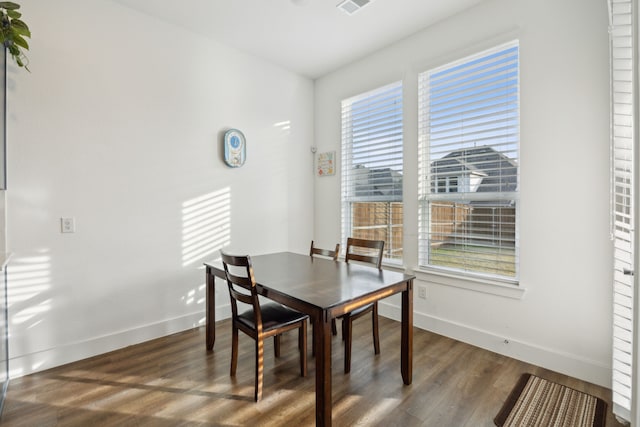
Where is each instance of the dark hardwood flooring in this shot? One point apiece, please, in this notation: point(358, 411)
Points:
point(174, 381)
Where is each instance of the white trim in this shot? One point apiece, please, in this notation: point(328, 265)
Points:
point(569, 364)
point(472, 284)
point(45, 359)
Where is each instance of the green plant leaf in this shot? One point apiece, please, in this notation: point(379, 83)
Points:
point(13, 32)
point(9, 5)
point(17, 39)
point(19, 29)
point(23, 32)
point(21, 63)
point(19, 24)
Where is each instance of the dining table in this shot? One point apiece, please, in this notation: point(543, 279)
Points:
point(324, 289)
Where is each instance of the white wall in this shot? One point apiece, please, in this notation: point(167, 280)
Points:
point(563, 320)
point(119, 125)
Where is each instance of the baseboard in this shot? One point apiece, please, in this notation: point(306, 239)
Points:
point(565, 363)
point(50, 358)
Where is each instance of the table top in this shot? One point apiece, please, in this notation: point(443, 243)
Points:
point(320, 282)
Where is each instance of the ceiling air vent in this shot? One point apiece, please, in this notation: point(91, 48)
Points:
point(352, 6)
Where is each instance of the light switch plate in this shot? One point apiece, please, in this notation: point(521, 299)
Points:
point(422, 292)
point(68, 225)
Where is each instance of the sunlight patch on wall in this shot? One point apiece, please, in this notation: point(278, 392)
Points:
point(202, 301)
point(285, 126)
point(190, 298)
point(198, 296)
point(202, 290)
point(31, 312)
point(29, 281)
point(206, 225)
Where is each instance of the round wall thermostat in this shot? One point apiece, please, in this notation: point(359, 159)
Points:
point(234, 148)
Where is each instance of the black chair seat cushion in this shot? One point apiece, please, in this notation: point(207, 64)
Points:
point(273, 316)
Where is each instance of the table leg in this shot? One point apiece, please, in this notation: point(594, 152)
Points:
point(407, 334)
point(210, 310)
point(322, 340)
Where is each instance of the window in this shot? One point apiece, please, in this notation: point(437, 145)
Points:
point(469, 145)
point(624, 119)
point(372, 168)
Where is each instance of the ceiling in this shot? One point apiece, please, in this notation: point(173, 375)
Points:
point(308, 37)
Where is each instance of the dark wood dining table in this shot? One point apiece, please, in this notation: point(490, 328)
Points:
point(324, 289)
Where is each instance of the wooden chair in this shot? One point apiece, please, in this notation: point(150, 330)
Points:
point(261, 320)
point(367, 251)
point(325, 252)
point(333, 254)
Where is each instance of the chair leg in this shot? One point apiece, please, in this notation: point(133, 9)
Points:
point(376, 336)
point(334, 329)
point(346, 335)
point(259, 368)
point(234, 350)
point(302, 346)
point(276, 344)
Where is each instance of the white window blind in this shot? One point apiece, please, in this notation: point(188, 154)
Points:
point(622, 171)
point(372, 168)
point(469, 146)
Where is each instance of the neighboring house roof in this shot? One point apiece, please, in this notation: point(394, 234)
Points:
point(500, 173)
point(497, 172)
point(381, 184)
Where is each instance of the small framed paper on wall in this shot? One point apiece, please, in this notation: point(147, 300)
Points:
point(326, 163)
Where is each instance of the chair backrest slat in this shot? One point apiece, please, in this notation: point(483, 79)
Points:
point(325, 252)
point(375, 246)
point(241, 283)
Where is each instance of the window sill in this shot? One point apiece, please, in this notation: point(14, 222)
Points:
point(393, 266)
point(472, 284)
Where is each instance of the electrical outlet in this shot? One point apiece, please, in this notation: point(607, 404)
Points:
point(68, 225)
point(422, 292)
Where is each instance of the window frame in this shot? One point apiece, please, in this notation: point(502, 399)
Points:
point(348, 177)
point(430, 190)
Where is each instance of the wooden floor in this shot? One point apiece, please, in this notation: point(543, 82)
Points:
point(174, 381)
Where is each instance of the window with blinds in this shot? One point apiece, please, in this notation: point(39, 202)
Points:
point(372, 168)
point(622, 196)
point(469, 115)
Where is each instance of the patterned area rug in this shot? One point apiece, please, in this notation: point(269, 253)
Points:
point(535, 401)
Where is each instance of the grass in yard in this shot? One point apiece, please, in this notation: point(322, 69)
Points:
point(482, 259)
